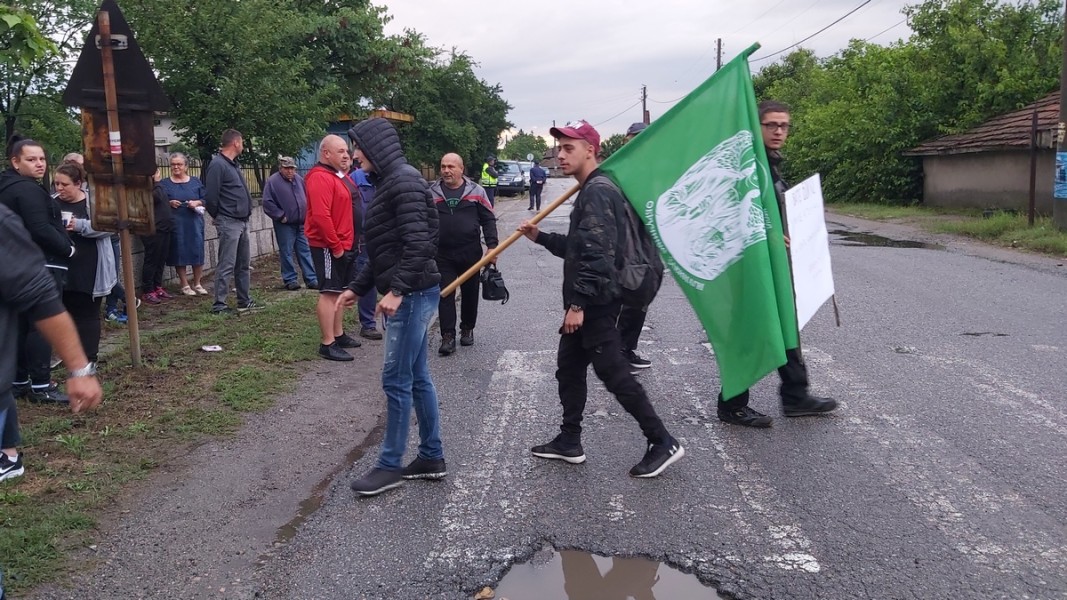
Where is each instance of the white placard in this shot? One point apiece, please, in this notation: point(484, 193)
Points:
point(809, 247)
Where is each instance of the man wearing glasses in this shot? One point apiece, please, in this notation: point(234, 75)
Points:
point(285, 202)
point(797, 401)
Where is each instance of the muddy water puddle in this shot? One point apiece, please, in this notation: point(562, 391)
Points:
point(856, 238)
point(576, 575)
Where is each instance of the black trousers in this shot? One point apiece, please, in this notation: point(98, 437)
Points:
point(490, 193)
point(794, 374)
point(631, 321)
point(535, 196)
point(34, 355)
point(452, 264)
point(597, 342)
point(9, 421)
point(156, 249)
point(85, 310)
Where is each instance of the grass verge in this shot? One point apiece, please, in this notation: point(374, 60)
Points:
point(76, 465)
point(1001, 228)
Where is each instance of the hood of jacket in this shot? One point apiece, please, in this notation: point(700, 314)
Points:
point(379, 142)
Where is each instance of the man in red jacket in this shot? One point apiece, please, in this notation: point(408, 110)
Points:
point(330, 234)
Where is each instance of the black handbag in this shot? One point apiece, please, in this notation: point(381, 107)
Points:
point(493, 287)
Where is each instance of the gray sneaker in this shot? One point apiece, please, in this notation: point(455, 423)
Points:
point(376, 481)
point(251, 306)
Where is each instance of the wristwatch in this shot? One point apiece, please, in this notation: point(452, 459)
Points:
point(575, 308)
point(88, 370)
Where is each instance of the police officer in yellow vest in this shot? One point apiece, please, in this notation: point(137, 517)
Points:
point(488, 180)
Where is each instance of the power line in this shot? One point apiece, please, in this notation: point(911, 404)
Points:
point(765, 13)
point(620, 113)
point(897, 24)
point(842, 18)
point(668, 101)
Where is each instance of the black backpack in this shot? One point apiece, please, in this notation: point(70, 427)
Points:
point(641, 270)
point(493, 285)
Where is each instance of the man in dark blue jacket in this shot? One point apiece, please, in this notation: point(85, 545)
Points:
point(230, 205)
point(538, 177)
point(286, 203)
point(401, 234)
point(368, 325)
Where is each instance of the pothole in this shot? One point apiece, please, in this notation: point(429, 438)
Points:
point(577, 575)
point(855, 238)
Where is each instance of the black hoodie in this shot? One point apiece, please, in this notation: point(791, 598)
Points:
point(401, 223)
point(40, 215)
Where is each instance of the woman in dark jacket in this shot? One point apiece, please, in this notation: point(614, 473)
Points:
point(157, 246)
point(21, 191)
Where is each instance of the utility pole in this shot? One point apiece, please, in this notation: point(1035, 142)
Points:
point(644, 105)
point(1059, 195)
point(718, 54)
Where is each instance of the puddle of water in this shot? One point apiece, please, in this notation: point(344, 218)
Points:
point(575, 575)
point(856, 238)
point(981, 333)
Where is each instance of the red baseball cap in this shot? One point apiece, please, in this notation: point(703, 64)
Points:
point(578, 130)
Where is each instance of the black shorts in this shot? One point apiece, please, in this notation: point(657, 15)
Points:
point(334, 274)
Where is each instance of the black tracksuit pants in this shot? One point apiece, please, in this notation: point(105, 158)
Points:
point(156, 249)
point(597, 342)
point(453, 262)
point(794, 374)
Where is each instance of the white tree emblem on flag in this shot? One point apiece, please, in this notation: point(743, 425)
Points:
point(712, 213)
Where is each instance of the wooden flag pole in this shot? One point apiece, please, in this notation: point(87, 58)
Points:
point(489, 256)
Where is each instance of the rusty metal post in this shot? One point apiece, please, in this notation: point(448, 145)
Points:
point(115, 142)
point(1033, 171)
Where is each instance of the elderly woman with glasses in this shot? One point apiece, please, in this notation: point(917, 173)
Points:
point(186, 194)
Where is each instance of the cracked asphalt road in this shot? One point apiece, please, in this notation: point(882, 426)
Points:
point(941, 475)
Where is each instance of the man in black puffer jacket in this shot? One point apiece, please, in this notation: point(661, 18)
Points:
point(401, 232)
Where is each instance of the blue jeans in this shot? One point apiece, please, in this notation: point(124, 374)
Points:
point(291, 236)
point(406, 380)
point(369, 302)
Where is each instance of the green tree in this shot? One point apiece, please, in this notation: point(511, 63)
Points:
point(46, 120)
point(612, 144)
point(32, 63)
point(523, 144)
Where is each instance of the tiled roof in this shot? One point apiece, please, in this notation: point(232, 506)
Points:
point(1009, 131)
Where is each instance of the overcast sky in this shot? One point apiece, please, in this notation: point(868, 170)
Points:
point(587, 59)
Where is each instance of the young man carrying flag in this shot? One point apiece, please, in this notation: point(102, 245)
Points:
point(712, 210)
point(592, 298)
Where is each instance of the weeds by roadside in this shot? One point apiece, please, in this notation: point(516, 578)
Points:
point(1001, 228)
point(77, 464)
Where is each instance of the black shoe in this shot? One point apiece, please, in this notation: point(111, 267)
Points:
point(334, 352)
point(636, 361)
point(312, 286)
point(448, 344)
point(657, 458)
point(20, 390)
point(346, 341)
point(744, 416)
point(376, 481)
point(225, 311)
point(558, 451)
point(530, 208)
point(10, 469)
point(48, 395)
point(370, 333)
point(466, 337)
point(808, 405)
point(425, 468)
point(292, 286)
point(251, 306)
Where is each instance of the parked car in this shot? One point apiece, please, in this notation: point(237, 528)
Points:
point(526, 166)
point(511, 180)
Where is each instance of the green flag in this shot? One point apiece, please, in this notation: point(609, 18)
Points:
point(699, 178)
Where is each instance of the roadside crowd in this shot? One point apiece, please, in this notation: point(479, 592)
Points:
point(366, 230)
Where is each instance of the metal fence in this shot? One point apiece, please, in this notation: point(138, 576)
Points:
point(248, 172)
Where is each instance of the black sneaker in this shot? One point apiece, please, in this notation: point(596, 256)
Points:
point(334, 352)
point(346, 341)
point(636, 361)
point(466, 337)
point(745, 417)
point(251, 306)
point(10, 469)
point(20, 390)
point(448, 344)
point(376, 481)
point(558, 451)
point(48, 395)
point(370, 333)
point(425, 468)
point(809, 405)
point(224, 311)
point(292, 286)
point(657, 458)
point(314, 285)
